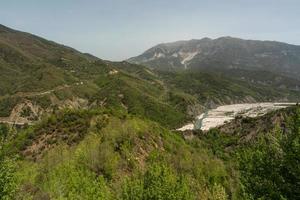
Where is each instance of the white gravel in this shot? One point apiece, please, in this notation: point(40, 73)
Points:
point(222, 114)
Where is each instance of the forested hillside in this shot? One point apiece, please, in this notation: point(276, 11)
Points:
point(104, 154)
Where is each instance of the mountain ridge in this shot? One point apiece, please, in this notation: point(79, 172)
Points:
point(218, 38)
point(223, 53)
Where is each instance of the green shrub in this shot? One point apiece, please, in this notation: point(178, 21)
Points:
point(270, 168)
point(158, 183)
point(4, 131)
point(71, 182)
point(8, 184)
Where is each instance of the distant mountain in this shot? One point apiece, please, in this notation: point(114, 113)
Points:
point(224, 53)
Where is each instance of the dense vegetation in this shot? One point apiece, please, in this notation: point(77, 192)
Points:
point(209, 87)
point(119, 156)
point(268, 163)
point(116, 156)
point(270, 168)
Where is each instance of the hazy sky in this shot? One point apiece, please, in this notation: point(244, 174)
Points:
point(118, 29)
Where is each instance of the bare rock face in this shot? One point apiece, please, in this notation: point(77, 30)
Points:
point(221, 115)
point(24, 113)
point(27, 112)
point(74, 103)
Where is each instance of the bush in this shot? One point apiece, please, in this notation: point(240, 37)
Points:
point(159, 182)
point(4, 131)
point(68, 181)
point(8, 184)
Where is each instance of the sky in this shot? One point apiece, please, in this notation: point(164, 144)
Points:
point(119, 29)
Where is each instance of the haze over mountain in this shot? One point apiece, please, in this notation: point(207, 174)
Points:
point(225, 53)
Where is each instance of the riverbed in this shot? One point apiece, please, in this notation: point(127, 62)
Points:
point(216, 117)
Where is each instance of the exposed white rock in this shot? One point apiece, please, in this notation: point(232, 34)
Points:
point(186, 57)
point(112, 72)
point(155, 56)
point(187, 127)
point(175, 55)
point(222, 114)
point(159, 55)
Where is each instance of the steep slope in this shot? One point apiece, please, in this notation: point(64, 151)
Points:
point(213, 89)
point(171, 56)
point(249, 129)
point(30, 63)
point(39, 76)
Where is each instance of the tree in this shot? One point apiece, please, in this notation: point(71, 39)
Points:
point(270, 168)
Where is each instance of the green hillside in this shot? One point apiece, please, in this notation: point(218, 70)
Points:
point(104, 154)
point(266, 153)
point(53, 76)
point(110, 157)
point(213, 88)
